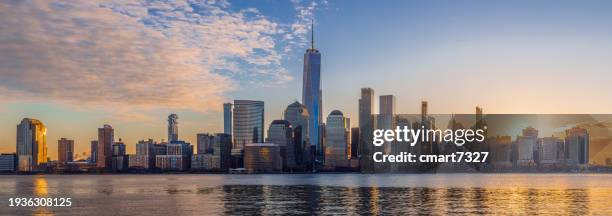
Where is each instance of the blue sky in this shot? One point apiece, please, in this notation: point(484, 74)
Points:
point(78, 66)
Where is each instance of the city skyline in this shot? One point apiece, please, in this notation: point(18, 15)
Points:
point(478, 54)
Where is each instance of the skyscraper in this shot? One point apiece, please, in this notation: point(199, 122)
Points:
point(280, 132)
point(577, 146)
point(65, 150)
point(227, 118)
point(337, 140)
point(387, 104)
point(354, 142)
point(106, 139)
point(31, 144)
point(312, 95)
point(366, 127)
point(386, 118)
point(297, 115)
point(527, 145)
point(248, 116)
point(172, 127)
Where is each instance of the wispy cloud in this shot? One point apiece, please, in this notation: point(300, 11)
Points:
point(297, 35)
point(140, 55)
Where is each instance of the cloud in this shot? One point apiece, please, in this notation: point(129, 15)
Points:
point(298, 33)
point(140, 55)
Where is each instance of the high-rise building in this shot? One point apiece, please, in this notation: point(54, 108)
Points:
point(297, 115)
point(366, 127)
point(119, 160)
point(106, 139)
point(31, 144)
point(577, 146)
point(280, 132)
point(312, 95)
point(93, 152)
point(387, 104)
point(550, 150)
point(337, 140)
point(386, 119)
point(65, 150)
point(227, 118)
point(204, 143)
point(248, 122)
point(354, 151)
point(248, 126)
point(172, 127)
point(527, 146)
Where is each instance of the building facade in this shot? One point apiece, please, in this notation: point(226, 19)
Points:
point(262, 158)
point(280, 132)
point(227, 118)
point(577, 146)
point(65, 150)
point(248, 123)
point(312, 95)
point(337, 141)
point(173, 128)
point(104, 154)
point(8, 162)
point(366, 128)
point(297, 115)
point(31, 144)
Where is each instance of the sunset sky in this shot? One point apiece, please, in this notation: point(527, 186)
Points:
point(78, 65)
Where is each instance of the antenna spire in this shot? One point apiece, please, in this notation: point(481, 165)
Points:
point(312, 34)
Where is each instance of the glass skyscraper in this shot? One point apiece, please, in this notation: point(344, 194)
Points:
point(31, 144)
point(312, 96)
point(248, 122)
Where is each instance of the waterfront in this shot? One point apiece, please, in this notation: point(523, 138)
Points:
point(190, 194)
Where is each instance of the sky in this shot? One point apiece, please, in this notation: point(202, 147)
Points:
point(77, 65)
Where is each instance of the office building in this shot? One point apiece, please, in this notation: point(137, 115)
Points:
point(227, 118)
point(213, 152)
point(119, 160)
point(550, 150)
point(527, 146)
point(65, 150)
point(577, 146)
point(204, 143)
point(387, 104)
point(354, 150)
point(8, 162)
point(337, 141)
point(366, 128)
point(248, 123)
point(31, 144)
point(280, 132)
point(312, 95)
point(106, 139)
point(262, 158)
point(297, 115)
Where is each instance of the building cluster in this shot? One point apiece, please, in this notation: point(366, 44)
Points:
point(529, 150)
point(301, 141)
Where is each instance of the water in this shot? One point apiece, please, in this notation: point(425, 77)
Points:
point(186, 194)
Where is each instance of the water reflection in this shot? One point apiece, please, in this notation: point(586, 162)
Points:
point(40, 186)
point(215, 195)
